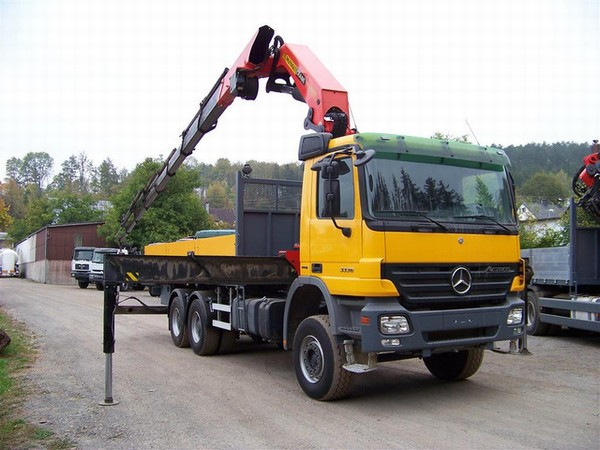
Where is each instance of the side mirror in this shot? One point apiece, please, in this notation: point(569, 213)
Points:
point(363, 157)
point(313, 144)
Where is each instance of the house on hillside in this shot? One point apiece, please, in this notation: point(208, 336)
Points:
point(223, 217)
point(542, 216)
point(45, 255)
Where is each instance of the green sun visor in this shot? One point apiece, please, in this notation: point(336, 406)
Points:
point(433, 151)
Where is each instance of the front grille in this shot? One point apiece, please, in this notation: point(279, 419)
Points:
point(427, 287)
point(82, 266)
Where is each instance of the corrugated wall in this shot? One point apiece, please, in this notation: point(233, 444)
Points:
point(45, 256)
point(62, 240)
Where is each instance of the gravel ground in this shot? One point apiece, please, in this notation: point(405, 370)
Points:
point(171, 398)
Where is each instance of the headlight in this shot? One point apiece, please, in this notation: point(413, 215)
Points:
point(393, 325)
point(515, 316)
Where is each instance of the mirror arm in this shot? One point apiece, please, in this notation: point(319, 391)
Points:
point(347, 232)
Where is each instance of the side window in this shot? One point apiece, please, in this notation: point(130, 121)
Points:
point(342, 188)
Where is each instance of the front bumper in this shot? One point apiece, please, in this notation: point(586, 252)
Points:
point(96, 278)
point(81, 276)
point(438, 329)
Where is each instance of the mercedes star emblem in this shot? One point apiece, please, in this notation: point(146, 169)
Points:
point(460, 280)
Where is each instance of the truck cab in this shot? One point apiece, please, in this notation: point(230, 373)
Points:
point(97, 265)
point(411, 243)
point(80, 265)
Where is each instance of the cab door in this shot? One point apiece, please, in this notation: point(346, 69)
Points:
point(335, 224)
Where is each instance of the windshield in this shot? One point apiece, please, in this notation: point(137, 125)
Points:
point(449, 191)
point(83, 254)
point(98, 257)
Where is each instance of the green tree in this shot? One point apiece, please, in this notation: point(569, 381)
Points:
point(530, 158)
point(75, 175)
point(14, 196)
point(5, 219)
point(530, 237)
point(69, 207)
point(546, 186)
point(38, 214)
point(217, 195)
point(107, 178)
point(176, 213)
point(35, 168)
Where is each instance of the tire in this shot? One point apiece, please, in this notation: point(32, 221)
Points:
point(83, 284)
point(454, 366)
point(534, 326)
point(177, 322)
point(318, 360)
point(578, 186)
point(100, 286)
point(203, 338)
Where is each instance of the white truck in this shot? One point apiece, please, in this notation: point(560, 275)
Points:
point(97, 266)
point(80, 265)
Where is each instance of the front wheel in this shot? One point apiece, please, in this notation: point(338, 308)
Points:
point(454, 366)
point(534, 326)
point(318, 360)
point(83, 284)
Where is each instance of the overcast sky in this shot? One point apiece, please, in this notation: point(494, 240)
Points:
point(121, 79)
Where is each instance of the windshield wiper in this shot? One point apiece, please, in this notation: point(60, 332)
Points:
point(483, 216)
point(425, 216)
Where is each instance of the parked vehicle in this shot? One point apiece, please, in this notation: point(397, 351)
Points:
point(565, 286)
point(392, 247)
point(9, 263)
point(80, 265)
point(97, 266)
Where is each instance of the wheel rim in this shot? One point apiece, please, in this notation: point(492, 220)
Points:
point(311, 359)
point(176, 322)
point(196, 327)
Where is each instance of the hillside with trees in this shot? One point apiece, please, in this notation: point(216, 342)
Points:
point(32, 197)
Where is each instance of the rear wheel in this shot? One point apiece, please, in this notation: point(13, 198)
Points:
point(318, 360)
point(454, 366)
point(177, 323)
point(83, 284)
point(204, 338)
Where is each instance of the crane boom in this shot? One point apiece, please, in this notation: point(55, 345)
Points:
point(291, 69)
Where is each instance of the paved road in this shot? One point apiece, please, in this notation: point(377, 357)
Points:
point(171, 398)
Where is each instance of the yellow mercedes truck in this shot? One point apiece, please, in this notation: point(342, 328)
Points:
point(391, 247)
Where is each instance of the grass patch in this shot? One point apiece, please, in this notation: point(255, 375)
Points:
point(14, 360)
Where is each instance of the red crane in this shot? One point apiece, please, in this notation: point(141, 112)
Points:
point(289, 69)
point(586, 182)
